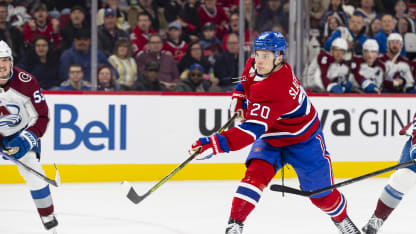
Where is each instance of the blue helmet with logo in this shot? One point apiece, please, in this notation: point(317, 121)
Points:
point(273, 41)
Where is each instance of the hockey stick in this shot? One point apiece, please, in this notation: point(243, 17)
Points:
point(133, 196)
point(280, 188)
point(55, 182)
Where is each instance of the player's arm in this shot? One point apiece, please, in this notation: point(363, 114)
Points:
point(239, 100)
point(37, 108)
point(260, 117)
point(238, 103)
point(41, 108)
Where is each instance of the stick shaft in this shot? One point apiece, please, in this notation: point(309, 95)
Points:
point(280, 188)
point(29, 169)
point(135, 198)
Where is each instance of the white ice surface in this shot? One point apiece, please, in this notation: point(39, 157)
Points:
point(191, 207)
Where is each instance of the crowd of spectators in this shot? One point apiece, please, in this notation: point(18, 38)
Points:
point(193, 45)
point(365, 46)
point(143, 45)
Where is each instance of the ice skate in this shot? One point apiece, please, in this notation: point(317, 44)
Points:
point(50, 223)
point(346, 226)
point(373, 225)
point(234, 227)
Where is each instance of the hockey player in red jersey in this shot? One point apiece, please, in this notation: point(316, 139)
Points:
point(400, 182)
point(283, 127)
point(24, 118)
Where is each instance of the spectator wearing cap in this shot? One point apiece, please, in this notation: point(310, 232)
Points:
point(124, 63)
point(42, 61)
point(75, 80)
point(226, 65)
point(148, 80)
point(41, 25)
point(121, 18)
point(11, 34)
point(140, 34)
point(168, 74)
point(109, 33)
point(211, 12)
point(175, 43)
point(151, 8)
point(76, 22)
point(195, 81)
point(186, 13)
point(80, 53)
point(211, 45)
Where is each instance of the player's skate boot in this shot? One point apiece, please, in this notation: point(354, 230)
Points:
point(234, 227)
point(346, 226)
point(373, 225)
point(50, 223)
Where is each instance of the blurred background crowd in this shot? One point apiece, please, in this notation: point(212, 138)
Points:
point(193, 45)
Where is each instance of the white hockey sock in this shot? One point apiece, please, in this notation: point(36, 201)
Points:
point(399, 184)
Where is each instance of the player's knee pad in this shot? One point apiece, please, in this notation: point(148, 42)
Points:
point(32, 181)
point(403, 180)
point(259, 173)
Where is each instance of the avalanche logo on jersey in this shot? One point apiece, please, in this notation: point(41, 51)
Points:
point(10, 115)
point(24, 77)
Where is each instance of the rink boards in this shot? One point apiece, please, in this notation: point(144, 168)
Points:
point(143, 136)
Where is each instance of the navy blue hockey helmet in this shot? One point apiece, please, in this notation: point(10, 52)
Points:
point(273, 41)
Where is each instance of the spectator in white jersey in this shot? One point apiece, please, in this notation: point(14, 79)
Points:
point(329, 72)
point(399, 76)
point(368, 70)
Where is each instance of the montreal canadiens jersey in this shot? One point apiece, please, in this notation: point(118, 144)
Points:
point(279, 110)
point(22, 105)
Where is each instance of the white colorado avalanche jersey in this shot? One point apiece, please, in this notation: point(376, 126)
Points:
point(22, 105)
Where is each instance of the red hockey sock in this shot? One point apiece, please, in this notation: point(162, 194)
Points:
point(382, 211)
point(334, 204)
point(258, 175)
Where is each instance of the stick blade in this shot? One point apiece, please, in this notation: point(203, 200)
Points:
point(57, 176)
point(280, 188)
point(130, 193)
